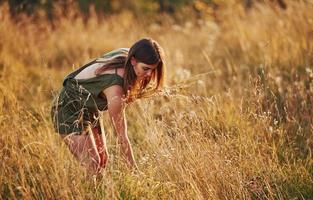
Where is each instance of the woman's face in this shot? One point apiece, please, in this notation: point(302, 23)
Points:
point(142, 70)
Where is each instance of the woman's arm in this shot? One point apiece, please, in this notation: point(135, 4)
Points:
point(114, 95)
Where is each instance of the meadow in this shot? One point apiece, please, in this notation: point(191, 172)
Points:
point(235, 120)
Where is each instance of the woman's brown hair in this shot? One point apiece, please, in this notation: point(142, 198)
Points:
point(149, 52)
point(146, 51)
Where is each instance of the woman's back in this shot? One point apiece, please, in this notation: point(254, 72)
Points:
point(91, 70)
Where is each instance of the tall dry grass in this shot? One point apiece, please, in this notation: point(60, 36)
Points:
point(234, 123)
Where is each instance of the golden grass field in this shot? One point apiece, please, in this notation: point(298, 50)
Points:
point(234, 122)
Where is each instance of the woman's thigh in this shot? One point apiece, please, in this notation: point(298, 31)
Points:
point(84, 149)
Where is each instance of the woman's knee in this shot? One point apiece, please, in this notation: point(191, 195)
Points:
point(96, 163)
point(99, 162)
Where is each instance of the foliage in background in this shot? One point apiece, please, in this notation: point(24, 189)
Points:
point(101, 7)
point(139, 8)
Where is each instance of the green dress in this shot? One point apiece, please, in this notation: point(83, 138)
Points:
point(78, 104)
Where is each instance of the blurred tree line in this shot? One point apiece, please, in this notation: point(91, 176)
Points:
point(104, 7)
point(137, 7)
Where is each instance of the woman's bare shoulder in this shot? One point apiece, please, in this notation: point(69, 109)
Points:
point(113, 93)
point(115, 89)
point(120, 72)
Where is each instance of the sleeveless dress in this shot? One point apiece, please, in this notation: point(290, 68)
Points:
point(78, 104)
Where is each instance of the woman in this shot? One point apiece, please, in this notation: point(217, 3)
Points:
point(106, 83)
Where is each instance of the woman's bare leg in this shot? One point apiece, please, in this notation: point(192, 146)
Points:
point(100, 141)
point(84, 148)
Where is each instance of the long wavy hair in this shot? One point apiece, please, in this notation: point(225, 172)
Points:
point(146, 51)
